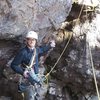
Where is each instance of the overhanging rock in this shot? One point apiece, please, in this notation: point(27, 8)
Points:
point(18, 17)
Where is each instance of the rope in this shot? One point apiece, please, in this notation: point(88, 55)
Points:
point(59, 57)
point(94, 75)
point(46, 76)
point(80, 11)
point(65, 47)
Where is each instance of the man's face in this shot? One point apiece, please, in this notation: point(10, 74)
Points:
point(31, 42)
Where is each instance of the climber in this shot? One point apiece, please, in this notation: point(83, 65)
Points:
point(24, 57)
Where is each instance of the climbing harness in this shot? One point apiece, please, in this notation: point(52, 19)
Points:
point(31, 72)
point(31, 63)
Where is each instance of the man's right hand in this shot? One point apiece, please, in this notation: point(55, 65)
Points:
point(52, 43)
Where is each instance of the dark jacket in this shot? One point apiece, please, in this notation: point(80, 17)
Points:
point(24, 56)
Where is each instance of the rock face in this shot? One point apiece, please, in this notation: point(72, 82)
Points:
point(18, 17)
point(74, 70)
point(9, 81)
point(72, 78)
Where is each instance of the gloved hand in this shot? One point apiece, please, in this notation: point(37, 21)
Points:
point(52, 43)
point(26, 73)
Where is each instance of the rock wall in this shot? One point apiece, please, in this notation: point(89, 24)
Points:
point(74, 70)
point(44, 16)
point(72, 78)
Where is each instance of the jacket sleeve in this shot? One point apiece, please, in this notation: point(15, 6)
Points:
point(16, 63)
point(44, 49)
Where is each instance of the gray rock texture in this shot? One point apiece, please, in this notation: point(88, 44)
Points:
point(17, 17)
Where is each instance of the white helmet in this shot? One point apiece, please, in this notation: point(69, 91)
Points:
point(32, 34)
